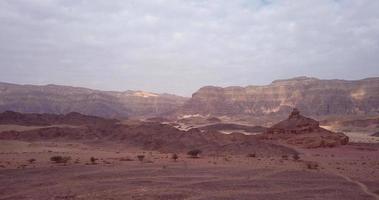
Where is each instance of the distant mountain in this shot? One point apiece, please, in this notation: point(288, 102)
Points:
point(314, 97)
point(311, 95)
point(65, 99)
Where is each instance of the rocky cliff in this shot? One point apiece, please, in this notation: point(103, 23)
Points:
point(311, 95)
point(64, 99)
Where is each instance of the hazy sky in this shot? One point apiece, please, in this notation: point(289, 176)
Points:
point(178, 46)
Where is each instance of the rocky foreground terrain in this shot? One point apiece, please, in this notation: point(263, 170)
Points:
point(75, 156)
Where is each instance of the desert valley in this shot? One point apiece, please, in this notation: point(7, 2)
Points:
point(189, 100)
point(301, 138)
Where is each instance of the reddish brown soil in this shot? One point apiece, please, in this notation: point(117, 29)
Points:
point(117, 174)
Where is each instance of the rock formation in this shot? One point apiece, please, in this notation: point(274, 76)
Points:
point(145, 135)
point(304, 132)
point(313, 96)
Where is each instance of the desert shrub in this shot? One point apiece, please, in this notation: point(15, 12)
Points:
point(60, 159)
point(126, 159)
point(141, 157)
point(312, 165)
point(194, 153)
point(285, 157)
point(93, 160)
point(296, 157)
point(251, 155)
point(32, 160)
point(174, 156)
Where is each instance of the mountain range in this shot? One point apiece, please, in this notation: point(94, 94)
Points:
point(310, 95)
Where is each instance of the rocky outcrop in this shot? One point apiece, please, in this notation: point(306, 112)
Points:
point(64, 99)
point(145, 135)
point(34, 119)
point(304, 132)
point(313, 96)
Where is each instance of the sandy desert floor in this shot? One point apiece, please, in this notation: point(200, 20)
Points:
point(349, 172)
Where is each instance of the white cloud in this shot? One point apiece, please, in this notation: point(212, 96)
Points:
point(179, 46)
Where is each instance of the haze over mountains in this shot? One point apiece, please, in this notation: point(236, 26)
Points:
point(64, 99)
point(311, 95)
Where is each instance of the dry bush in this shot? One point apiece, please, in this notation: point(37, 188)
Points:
point(251, 155)
point(141, 157)
point(296, 157)
point(175, 157)
point(93, 160)
point(60, 159)
point(285, 157)
point(32, 160)
point(126, 159)
point(194, 153)
point(311, 165)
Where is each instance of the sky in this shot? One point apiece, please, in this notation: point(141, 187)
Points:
point(178, 46)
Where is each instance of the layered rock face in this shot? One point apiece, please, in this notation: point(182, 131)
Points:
point(304, 132)
point(65, 99)
point(312, 96)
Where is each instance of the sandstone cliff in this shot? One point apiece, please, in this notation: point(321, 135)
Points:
point(312, 96)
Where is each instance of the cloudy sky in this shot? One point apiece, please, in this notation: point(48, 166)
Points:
point(177, 46)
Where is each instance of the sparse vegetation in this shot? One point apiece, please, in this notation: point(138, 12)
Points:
point(194, 153)
point(141, 157)
point(311, 165)
point(296, 157)
point(60, 159)
point(285, 157)
point(251, 155)
point(93, 160)
point(126, 159)
point(175, 157)
point(32, 160)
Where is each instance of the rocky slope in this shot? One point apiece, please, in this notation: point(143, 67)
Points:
point(64, 99)
point(312, 96)
point(33, 119)
point(305, 132)
point(145, 135)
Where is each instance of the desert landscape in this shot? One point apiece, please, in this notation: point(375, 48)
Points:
point(76, 156)
point(189, 100)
